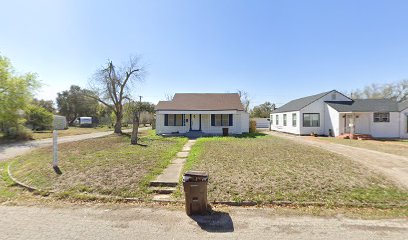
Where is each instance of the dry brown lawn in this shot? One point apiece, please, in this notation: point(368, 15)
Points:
point(108, 165)
point(397, 147)
point(266, 169)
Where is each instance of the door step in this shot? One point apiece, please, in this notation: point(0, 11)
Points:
point(163, 190)
point(163, 184)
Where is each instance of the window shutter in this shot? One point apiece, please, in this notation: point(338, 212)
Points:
point(230, 120)
point(166, 120)
point(212, 120)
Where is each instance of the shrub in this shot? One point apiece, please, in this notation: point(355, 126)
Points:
point(39, 117)
point(252, 126)
point(18, 133)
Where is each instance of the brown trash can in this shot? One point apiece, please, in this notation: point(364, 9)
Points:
point(225, 131)
point(195, 191)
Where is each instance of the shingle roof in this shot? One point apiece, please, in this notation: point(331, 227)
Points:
point(203, 102)
point(365, 105)
point(297, 104)
point(403, 105)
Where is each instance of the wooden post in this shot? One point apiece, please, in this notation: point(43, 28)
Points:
point(55, 149)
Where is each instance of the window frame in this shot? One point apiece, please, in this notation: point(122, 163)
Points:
point(311, 120)
point(294, 120)
point(175, 120)
point(277, 120)
point(229, 122)
point(380, 118)
point(285, 119)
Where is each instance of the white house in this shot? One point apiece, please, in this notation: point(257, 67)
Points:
point(207, 113)
point(334, 114)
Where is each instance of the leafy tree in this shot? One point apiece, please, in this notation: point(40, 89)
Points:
point(47, 104)
point(263, 110)
point(16, 92)
point(39, 117)
point(74, 103)
point(111, 86)
point(397, 91)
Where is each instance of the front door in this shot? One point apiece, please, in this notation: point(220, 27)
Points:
point(195, 122)
point(348, 123)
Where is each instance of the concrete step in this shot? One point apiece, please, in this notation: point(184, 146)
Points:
point(163, 184)
point(163, 190)
point(162, 197)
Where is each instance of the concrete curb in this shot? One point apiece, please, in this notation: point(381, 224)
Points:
point(29, 188)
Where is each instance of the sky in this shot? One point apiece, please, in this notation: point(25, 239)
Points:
point(274, 50)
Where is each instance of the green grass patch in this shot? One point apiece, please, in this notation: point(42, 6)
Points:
point(104, 166)
point(265, 169)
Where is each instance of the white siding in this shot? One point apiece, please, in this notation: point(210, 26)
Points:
point(404, 123)
point(319, 106)
point(289, 128)
point(386, 129)
point(240, 124)
point(332, 121)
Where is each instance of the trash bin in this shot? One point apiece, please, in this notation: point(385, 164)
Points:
point(225, 131)
point(195, 190)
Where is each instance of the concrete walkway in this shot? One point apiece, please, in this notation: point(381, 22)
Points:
point(8, 151)
point(103, 222)
point(394, 167)
point(166, 182)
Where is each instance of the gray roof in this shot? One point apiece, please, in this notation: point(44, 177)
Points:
point(403, 105)
point(365, 105)
point(297, 104)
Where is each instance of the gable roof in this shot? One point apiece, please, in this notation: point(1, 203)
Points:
point(297, 104)
point(202, 102)
point(365, 105)
point(403, 105)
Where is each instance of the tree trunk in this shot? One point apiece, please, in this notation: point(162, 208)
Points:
point(118, 124)
point(135, 130)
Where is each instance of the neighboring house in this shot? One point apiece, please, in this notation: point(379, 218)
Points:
point(332, 113)
point(209, 113)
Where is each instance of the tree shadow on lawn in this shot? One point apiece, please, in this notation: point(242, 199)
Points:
point(214, 221)
point(138, 140)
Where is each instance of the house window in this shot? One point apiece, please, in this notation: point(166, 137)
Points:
point(277, 119)
point(284, 119)
point(381, 117)
point(221, 120)
point(271, 120)
point(174, 120)
point(311, 119)
point(294, 120)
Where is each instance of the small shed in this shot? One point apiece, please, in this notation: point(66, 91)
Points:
point(262, 122)
point(59, 122)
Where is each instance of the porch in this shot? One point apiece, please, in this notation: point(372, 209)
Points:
point(355, 125)
point(198, 123)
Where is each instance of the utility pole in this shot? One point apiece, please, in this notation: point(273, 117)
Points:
point(140, 98)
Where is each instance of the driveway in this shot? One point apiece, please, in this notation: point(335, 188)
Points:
point(394, 167)
point(8, 151)
point(81, 222)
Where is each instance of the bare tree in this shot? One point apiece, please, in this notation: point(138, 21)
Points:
point(245, 100)
point(168, 96)
point(397, 91)
point(112, 84)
